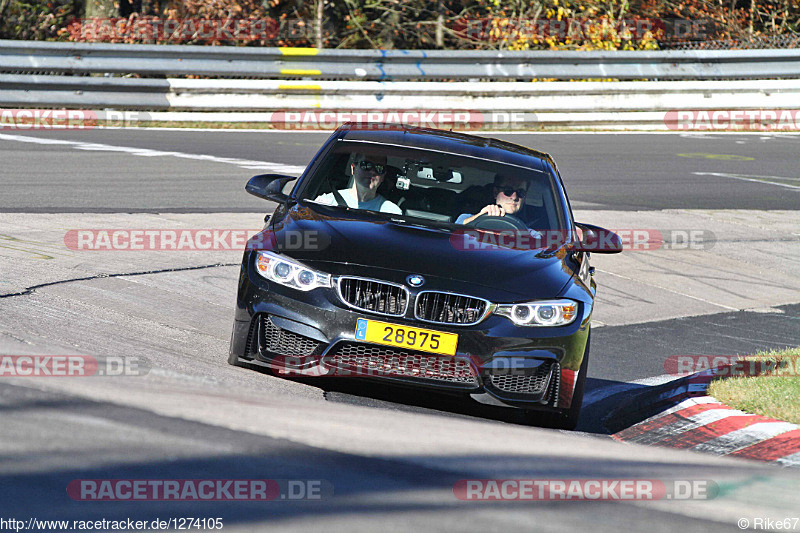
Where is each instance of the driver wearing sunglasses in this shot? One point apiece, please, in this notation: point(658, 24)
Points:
point(509, 196)
point(368, 171)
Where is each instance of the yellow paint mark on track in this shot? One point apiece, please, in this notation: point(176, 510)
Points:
point(720, 157)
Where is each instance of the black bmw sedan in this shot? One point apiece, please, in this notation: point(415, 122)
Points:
point(426, 258)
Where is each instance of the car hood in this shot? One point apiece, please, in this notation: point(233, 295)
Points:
point(379, 243)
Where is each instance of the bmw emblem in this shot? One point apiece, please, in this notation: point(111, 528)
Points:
point(415, 280)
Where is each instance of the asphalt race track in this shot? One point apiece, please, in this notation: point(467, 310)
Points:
point(387, 459)
point(606, 170)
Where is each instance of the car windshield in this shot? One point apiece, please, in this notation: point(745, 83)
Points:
point(430, 187)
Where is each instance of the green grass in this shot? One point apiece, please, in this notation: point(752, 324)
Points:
point(775, 394)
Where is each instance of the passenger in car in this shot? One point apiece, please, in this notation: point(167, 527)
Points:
point(509, 195)
point(368, 171)
point(389, 190)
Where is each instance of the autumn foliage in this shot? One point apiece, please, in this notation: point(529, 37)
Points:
point(415, 24)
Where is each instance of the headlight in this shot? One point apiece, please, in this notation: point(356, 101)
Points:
point(289, 272)
point(543, 313)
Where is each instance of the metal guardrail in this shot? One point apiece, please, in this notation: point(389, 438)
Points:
point(83, 92)
point(220, 95)
point(339, 84)
point(418, 65)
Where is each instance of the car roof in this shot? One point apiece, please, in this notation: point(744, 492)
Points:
point(444, 141)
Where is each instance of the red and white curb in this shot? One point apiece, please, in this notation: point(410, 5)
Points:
point(704, 424)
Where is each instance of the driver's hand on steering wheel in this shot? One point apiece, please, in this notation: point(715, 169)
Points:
point(492, 210)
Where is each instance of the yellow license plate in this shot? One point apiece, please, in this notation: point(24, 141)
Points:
point(424, 340)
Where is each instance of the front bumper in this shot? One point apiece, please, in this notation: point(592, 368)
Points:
point(313, 334)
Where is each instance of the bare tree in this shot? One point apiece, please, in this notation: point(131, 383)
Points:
point(320, 9)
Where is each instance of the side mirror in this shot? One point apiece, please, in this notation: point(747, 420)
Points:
point(598, 240)
point(269, 187)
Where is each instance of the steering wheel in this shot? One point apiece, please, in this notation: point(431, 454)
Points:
point(504, 223)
